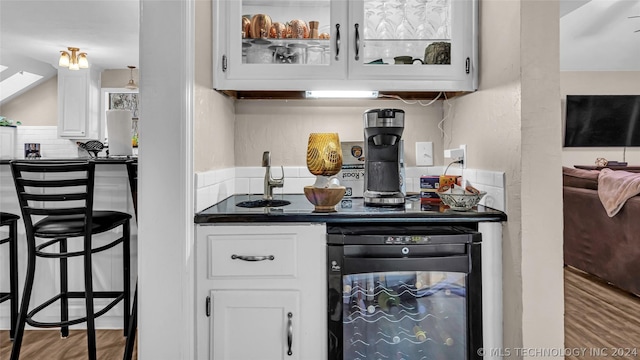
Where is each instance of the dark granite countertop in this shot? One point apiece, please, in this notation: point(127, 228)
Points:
point(348, 211)
point(99, 160)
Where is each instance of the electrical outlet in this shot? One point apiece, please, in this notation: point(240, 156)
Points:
point(457, 154)
point(424, 153)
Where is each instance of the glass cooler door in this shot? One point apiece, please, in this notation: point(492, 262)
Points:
point(408, 315)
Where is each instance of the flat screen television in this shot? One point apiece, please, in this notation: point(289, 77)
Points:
point(602, 121)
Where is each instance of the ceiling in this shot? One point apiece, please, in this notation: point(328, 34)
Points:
point(107, 30)
point(600, 35)
point(595, 35)
point(33, 32)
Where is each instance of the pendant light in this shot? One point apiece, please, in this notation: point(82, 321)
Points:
point(132, 84)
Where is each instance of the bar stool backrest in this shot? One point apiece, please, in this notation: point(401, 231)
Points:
point(54, 188)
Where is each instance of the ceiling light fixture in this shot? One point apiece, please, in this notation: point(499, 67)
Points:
point(73, 60)
point(131, 84)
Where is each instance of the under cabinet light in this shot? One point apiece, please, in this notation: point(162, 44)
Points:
point(317, 94)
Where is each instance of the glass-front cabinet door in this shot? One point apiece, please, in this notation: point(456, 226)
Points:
point(401, 45)
point(414, 40)
point(289, 42)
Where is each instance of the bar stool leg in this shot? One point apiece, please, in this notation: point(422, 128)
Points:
point(13, 276)
point(64, 289)
point(24, 306)
point(88, 284)
point(133, 325)
point(126, 270)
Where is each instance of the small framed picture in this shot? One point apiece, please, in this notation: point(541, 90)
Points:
point(31, 150)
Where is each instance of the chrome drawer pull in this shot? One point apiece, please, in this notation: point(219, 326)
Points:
point(252, 258)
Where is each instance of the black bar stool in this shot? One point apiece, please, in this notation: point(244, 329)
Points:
point(62, 192)
point(11, 220)
point(132, 171)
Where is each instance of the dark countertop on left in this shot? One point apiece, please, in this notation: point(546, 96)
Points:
point(99, 160)
point(348, 211)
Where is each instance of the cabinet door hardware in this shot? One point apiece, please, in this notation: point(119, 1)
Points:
point(337, 41)
point(290, 333)
point(467, 66)
point(252, 258)
point(208, 306)
point(224, 63)
point(357, 41)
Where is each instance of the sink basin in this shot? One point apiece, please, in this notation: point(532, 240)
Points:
point(263, 203)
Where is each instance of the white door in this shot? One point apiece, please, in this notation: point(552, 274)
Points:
point(255, 325)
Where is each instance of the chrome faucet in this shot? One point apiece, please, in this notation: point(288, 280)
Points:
point(270, 182)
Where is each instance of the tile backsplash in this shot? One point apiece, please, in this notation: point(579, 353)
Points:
point(216, 185)
point(47, 136)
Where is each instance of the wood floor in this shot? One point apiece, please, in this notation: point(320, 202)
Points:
point(48, 345)
point(598, 319)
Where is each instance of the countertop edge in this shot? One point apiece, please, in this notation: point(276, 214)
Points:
point(6, 161)
point(219, 219)
point(274, 215)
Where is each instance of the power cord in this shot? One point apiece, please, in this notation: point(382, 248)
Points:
point(461, 161)
point(441, 122)
point(413, 102)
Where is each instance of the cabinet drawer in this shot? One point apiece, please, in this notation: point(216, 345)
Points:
point(272, 255)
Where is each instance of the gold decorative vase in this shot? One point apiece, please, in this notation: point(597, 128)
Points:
point(324, 155)
point(324, 159)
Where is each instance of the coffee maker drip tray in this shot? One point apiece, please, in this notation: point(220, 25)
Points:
point(376, 198)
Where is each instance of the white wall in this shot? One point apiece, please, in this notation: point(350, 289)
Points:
point(283, 127)
point(598, 83)
point(165, 168)
point(213, 112)
point(512, 124)
point(36, 107)
point(118, 78)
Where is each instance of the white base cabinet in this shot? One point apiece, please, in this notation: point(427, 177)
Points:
point(261, 292)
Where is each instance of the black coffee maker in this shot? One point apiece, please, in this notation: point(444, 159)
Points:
point(382, 131)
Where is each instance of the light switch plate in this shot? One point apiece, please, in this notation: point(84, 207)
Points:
point(424, 153)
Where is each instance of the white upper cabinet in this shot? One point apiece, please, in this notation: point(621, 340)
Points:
point(386, 45)
point(78, 103)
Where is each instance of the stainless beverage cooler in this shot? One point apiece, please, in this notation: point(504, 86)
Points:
point(404, 292)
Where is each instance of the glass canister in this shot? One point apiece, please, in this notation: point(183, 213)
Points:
point(245, 48)
point(297, 53)
point(315, 55)
point(259, 52)
point(279, 54)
